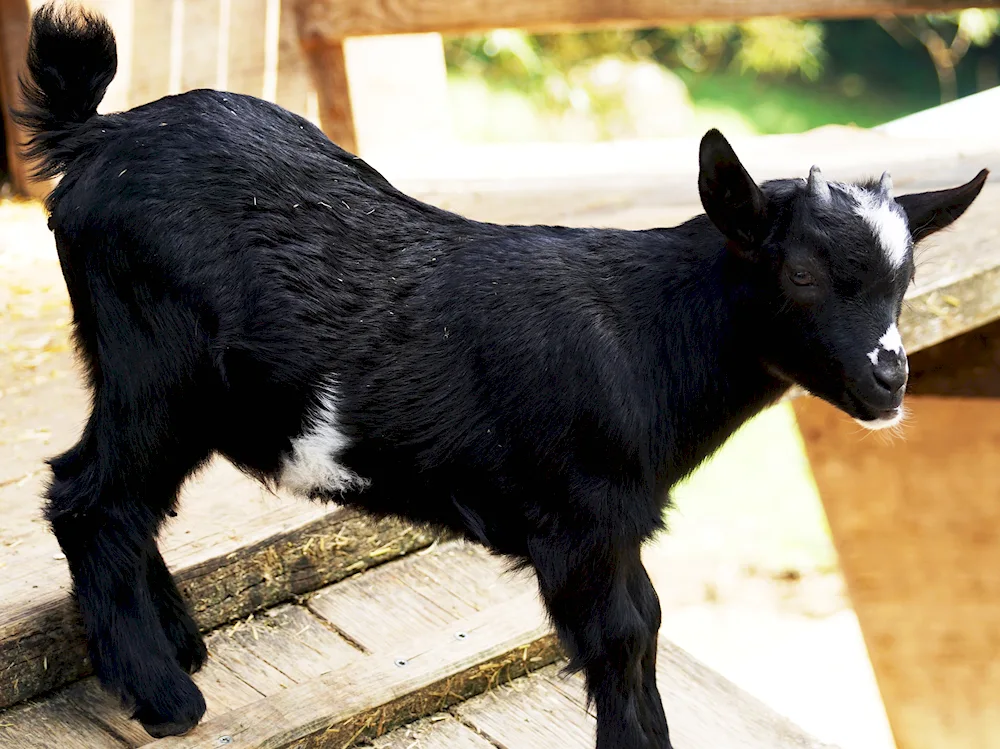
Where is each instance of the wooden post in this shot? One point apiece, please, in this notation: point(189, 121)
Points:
point(916, 522)
point(14, 18)
point(328, 70)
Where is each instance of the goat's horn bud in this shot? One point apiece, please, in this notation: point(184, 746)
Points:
point(817, 185)
point(885, 184)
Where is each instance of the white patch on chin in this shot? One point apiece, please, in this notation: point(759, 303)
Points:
point(312, 466)
point(885, 423)
point(885, 220)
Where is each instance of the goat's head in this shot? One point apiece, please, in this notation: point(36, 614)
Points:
point(826, 265)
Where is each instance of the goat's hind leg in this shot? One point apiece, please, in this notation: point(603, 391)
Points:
point(106, 501)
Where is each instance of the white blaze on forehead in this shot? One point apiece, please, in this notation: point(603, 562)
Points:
point(885, 220)
point(890, 341)
point(312, 466)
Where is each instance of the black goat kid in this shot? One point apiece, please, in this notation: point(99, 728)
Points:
point(243, 286)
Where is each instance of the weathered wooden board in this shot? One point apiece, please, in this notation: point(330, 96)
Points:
point(294, 641)
point(418, 678)
point(548, 709)
point(223, 575)
point(419, 595)
point(340, 19)
point(916, 524)
point(224, 692)
point(533, 713)
point(52, 723)
point(440, 731)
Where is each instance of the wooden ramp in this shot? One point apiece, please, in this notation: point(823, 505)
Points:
point(413, 638)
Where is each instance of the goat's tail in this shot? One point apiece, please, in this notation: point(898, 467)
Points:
point(72, 59)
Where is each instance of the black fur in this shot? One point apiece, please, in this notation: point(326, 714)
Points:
point(538, 388)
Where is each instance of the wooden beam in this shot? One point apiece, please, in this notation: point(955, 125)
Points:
point(967, 365)
point(224, 576)
point(328, 70)
point(916, 523)
point(14, 24)
point(346, 18)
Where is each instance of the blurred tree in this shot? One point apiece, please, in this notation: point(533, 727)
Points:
point(541, 66)
point(966, 28)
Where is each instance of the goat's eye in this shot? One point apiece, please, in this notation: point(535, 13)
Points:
point(802, 278)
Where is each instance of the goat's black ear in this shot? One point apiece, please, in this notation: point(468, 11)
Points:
point(731, 198)
point(928, 212)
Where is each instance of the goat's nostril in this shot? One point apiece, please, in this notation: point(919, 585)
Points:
point(891, 376)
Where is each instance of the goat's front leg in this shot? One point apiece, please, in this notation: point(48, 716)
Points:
point(603, 614)
point(180, 629)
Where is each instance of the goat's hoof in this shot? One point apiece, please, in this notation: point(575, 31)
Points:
point(183, 714)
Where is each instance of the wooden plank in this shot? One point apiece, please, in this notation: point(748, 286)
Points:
point(327, 70)
point(420, 595)
point(694, 696)
point(248, 666)
point(223, 577)
point(967, 365)
point(52, 723)
point(342, 19)
point(223, 690)
point(14, 19)
point(705, 711)
point(440, 731)
point(151, 42)
point(422, 677)
point(293, 89)
point(293, 641)
point(533, 713)
point(247, 40)
point(916, 523)
point(201, 44)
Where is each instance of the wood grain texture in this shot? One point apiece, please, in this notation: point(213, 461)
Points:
point(533, 713)
point(704, 709)
point(224, 575)
point(439, 731)
point(916, 523)
point(352, 703)
point(417, 596)
point(224, 692)
point(327, 67)
point(52, 723)
point(343, 18)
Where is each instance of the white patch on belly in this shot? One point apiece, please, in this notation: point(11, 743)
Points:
point(312, 466)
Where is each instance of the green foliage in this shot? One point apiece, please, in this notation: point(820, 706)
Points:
point(541, 66)
point(772, 74)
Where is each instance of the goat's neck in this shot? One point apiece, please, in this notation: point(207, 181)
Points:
point(703, 347)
